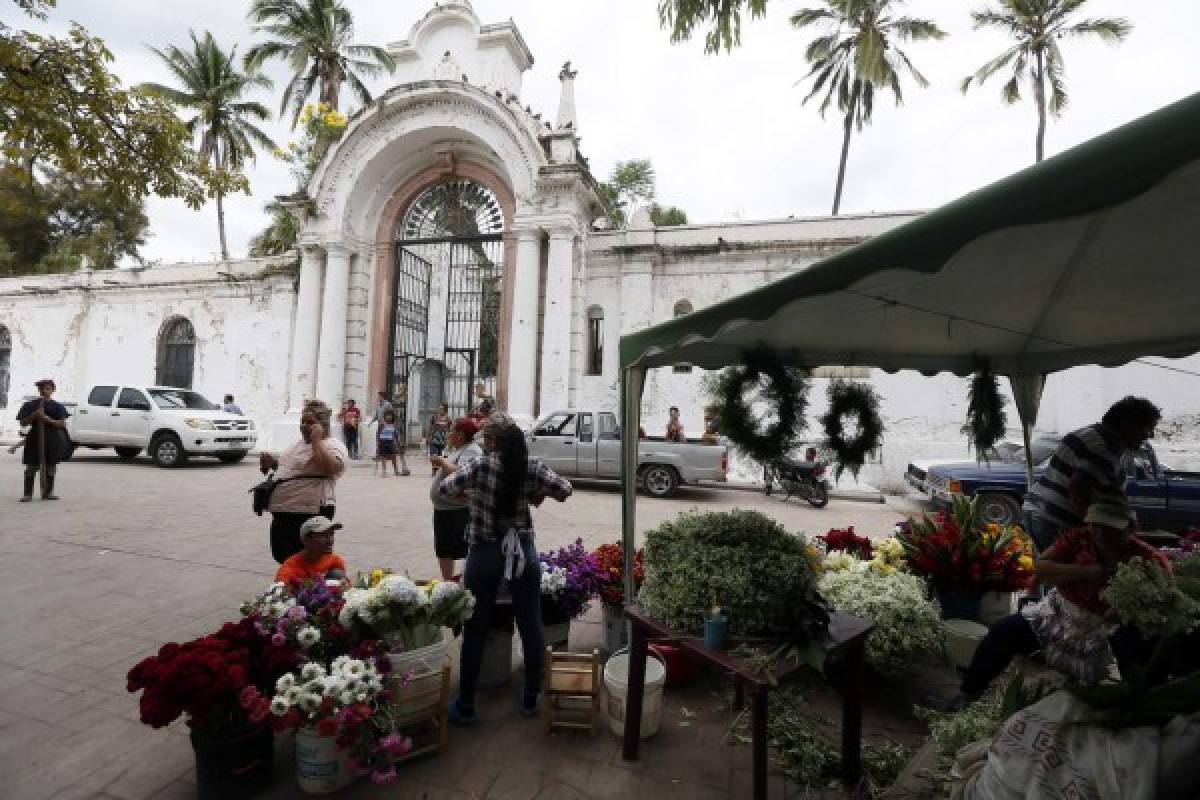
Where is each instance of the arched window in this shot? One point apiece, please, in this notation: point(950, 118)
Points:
point(595, 341)
point(176, 353)
point(5, 360)
point(683, 307)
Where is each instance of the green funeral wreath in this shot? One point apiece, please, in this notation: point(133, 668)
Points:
point(786, 391)
point(986, 419)
point(861, 402)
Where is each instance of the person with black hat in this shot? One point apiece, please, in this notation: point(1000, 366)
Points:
point(46, 443)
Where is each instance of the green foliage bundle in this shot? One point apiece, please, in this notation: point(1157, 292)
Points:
point(785, 390)
point(763, 576)
point(856, 400)
point(1145, 597)
point(986, 419)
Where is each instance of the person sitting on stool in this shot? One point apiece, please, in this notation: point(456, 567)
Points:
point(317, 560)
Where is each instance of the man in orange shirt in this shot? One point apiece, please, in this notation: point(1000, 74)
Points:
point(317, 559)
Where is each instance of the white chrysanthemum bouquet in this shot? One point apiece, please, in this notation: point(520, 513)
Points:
point(406, 613)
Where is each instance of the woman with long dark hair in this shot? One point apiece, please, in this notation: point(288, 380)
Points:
point(505, 482)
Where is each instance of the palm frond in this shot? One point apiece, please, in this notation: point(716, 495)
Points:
point(1109, 29)
point(989, 69)
point(808, 16)
point(916, 29)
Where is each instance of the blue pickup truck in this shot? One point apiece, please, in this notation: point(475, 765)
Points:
point(1164, 499)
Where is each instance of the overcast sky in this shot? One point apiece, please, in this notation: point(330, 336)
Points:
point(728, 135)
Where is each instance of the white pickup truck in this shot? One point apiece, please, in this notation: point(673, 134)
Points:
point(170, 424)
point(587, 444)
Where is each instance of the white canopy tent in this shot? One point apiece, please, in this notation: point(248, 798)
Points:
point(1090, 257)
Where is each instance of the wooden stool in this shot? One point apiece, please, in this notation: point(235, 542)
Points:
point(570, 690)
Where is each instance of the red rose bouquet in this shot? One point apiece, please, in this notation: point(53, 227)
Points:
point(955, 552)
point(847, 541)
point(610, 561)
point(213, 679)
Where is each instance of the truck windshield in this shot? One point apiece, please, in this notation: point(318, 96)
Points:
point(176, 399)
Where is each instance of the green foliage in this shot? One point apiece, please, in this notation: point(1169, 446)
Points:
point(1187, 576)
point(280, 235)
point(724, 18)
point(762, 575)
point(314, 37)
point(35, 8)
point(861, 402)
point(986, 419)
point(1145, 597)
point(784, 389)
point(1037, 26)
point(62, 109)
point(49, 223)
point(667, 216)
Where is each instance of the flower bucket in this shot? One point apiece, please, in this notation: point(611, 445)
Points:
point(615, 636)
point(995, 606)
point(320, 767)
point(234, 764)
point(556, 635)
point(958, 603)
point(424, 666)
point(616, 690)
point(682, 669)
point(962, 637)
point(496, 669)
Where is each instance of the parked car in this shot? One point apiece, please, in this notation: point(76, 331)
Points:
point(587, 444)
point(171, 424)
point(1164, 499)
point(915, 474)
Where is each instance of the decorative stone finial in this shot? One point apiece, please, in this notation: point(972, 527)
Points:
point(566, 99)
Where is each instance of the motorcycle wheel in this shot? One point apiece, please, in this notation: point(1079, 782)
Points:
point(819, 496)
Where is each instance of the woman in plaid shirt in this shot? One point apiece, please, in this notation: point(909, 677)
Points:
point(500, 534)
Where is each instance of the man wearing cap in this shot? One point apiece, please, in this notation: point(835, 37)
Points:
point(1071, 625)
point(317, 560)
point(46, 443)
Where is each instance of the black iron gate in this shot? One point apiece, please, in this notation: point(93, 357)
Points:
point(474, 271)
point(410, 322)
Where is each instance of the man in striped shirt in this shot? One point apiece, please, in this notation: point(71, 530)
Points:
point(1089, 466)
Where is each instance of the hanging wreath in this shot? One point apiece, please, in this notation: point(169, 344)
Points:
point(861, 402)
point(986, 419)
point(786, 392)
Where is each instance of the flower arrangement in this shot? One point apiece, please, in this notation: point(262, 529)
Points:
point(405, 613)
point(570, 577)
point(889, 556)
point(846, 540)
point(348, 700)
point(302, 618)
point(610, 562)
point(764, 575)
point(954, 552)
point(211, 679)
point(907, 623)
point(1144, 597)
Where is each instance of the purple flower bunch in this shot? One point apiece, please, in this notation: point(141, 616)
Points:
point(581, 581)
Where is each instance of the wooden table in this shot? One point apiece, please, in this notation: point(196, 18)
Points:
point(845, 639)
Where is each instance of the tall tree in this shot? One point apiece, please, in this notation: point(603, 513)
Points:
point(724, 18)
point(631, 184)
point(1037, 26)
point(856, 57)
point(314, 36)
point(213, 88)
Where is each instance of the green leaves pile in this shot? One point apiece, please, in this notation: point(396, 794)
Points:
point(759, 573)
point(1144, 596)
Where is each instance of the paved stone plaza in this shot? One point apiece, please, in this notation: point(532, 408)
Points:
point(133, 556)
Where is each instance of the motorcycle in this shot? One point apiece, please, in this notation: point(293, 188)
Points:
point(801, 478)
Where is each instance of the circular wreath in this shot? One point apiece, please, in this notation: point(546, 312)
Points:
point(786, 392)
point(861, 402)
point(986, 419)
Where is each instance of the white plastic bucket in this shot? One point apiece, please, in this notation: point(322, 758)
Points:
point(424, 665)
point(962, 637)
point(616, 689)
point(320, 767)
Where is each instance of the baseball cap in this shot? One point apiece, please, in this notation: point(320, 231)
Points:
point(318, 525)
point(1110, 515)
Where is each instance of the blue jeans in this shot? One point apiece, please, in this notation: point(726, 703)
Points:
point(484, 570)
point(1043, 531)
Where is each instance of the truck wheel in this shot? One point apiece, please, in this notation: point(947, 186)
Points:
point(659, 480)
point(128, 453)
point(232, 458)
point(167, 451)
point(1001, 509)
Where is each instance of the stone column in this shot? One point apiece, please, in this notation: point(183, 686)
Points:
point(331, 357)
point(556, 336)
point(522, 337)
point(307, 329)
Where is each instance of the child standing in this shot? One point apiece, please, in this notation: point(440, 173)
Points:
point(439, 430)
point(386, 442)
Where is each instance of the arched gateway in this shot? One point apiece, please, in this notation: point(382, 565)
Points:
point(443, 242)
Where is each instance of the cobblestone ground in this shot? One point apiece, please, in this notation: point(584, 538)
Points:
point(133, 556)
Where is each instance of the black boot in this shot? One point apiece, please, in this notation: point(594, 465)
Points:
point(30, 477)
point(49, 494)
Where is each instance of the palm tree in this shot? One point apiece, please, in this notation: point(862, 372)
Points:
point(857, 57)
point(1037, 25)
point(314, 37)
point(213, 88)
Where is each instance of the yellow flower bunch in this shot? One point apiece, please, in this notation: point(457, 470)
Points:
point(333, 119)
point(889, 556)
point(813, 554)
point(839, 561)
